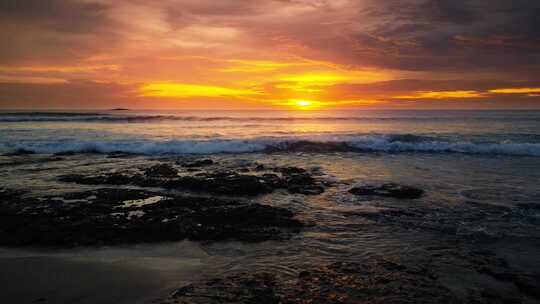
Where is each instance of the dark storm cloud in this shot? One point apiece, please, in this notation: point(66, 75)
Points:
point(452, 11)
point(422, 35)
point(54, 30)
point(184, 13)
point(446, 11)
point(73, 94)
point(430, 35)
point(58, 15)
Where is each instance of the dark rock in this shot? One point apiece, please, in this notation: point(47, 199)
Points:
point(221, 182)
point(257, 289)
point(115, 216)
point(164, 170)
point(298, 180)
point(106, 179)
point(65, 153)
point(303, 183)
point(184, 291)
point(290, 170)
point(119, 154)
point(334, 283)
point(197, 163)
point(389, 190)
point(226, 184)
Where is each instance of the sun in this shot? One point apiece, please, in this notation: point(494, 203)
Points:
point(303, 103)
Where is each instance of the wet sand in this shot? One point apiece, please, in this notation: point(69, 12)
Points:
point(61, 280)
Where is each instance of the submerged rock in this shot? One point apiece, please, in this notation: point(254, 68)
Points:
point(223, 183)
point(378, 282)
point(302, 183)
point(164, 170)
point(197, 163)
point(388, 190)
point(115, 216)
point(290, 170)
point(295, 180)
point(104, 179)
point(65, 153)
point(120, 154)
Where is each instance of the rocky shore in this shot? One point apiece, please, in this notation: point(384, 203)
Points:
point(219, 200)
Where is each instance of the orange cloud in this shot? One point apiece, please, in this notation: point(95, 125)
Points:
point(443, 95)
point(184, 90)
point(516, 91)
point(31, 79)
point(60, 69)
point(258, 66)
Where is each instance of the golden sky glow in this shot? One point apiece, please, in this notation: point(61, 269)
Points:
point(443, 95)
point(236, 54)
point(516, 91)
point(183, 90)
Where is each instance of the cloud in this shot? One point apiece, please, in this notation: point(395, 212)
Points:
point(185, 90)
point(421, 36)
point(64, 95)
point(446, 95)
point(58, 15)
point(55, 30)
point(319, 50)
point(531, 91)
point(483, 93)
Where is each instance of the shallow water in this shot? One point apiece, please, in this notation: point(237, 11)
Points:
point(472, 204)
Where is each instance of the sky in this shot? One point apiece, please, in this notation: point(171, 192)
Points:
point(270, 54)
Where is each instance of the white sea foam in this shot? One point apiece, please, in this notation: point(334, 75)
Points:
point(366, 143)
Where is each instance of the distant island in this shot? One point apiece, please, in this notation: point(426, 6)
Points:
point(119, 109)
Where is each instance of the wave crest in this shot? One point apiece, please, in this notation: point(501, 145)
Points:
point(366, 143)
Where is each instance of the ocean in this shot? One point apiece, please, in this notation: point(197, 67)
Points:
point(206, 132)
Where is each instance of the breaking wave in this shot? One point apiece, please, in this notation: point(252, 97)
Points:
point(361, 143)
